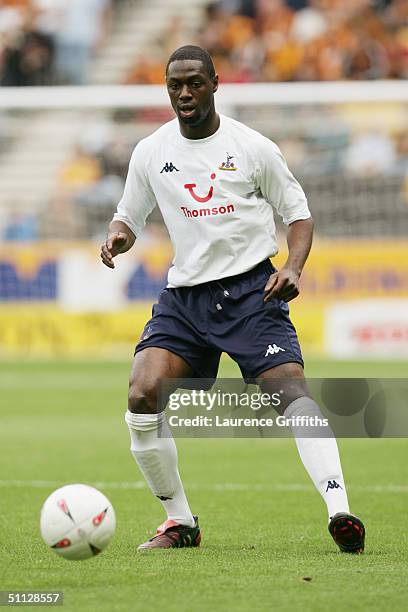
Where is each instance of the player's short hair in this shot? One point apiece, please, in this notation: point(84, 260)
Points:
point(192, 52)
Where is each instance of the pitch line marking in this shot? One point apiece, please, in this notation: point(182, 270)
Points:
point(227, 486)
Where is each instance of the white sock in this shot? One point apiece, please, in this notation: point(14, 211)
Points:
point(320, 456)
point(154, 450)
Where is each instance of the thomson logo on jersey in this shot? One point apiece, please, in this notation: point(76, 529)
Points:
point(169, 167)
point(204, 212)
point(207, 212)
point(273, 349)
point(202, 199)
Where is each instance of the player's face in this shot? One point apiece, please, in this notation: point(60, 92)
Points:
point(191, 91)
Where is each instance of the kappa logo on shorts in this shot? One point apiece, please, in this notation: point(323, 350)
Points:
point(273, 349)
point(147, 333)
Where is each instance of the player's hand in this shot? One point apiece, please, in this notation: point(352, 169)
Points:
point(115, 244)
point(283, 285)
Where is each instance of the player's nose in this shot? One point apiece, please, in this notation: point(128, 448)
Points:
point(185, 93)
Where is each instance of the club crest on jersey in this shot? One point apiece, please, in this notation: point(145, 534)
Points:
point(228, 165)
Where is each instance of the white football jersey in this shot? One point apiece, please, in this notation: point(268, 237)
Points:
point(216, 196)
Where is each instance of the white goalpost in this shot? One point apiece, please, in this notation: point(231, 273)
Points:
point(229, 95)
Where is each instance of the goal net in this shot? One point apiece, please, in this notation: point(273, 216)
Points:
point(64, 156)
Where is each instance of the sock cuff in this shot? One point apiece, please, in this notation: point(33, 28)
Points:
point(308, 420)
point(300, 406)
point(144, 422)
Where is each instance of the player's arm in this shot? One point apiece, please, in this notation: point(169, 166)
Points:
point(136, 204)
point(284, 284)
point(283, 191)
point(119, 239)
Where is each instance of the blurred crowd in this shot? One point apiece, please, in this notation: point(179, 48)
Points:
point(294, 40)
point(88, 187)
point(44, 42)
point(52, 41)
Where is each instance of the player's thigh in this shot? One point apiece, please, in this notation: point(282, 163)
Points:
point(286, 379)
point(150, 368)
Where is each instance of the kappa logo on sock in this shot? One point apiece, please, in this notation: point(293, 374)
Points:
point(332, 484)
point(163, 497)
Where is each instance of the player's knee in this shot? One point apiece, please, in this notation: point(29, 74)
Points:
point(143, 400)
point(287, 381)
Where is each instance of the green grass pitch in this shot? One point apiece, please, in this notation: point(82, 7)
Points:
point(264, 527)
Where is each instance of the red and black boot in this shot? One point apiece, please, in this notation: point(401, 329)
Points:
point(172, 535)
point(348, 532)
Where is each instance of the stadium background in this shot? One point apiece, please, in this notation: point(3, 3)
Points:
point(64, 160)
point(80, 85)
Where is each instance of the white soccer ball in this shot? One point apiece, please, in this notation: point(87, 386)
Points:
point(77, 521)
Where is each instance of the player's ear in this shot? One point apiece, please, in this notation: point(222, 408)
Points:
point(215, 83)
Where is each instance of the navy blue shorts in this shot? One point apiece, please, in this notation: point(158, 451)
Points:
point(199, 323)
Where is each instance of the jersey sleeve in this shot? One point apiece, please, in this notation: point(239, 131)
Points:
point(278, 185)
point(138, 199)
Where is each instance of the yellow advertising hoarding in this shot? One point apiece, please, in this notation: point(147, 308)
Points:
point(32, 320)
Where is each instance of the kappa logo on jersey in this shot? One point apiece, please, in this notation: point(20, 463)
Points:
point(273, 349)
point(332, 484)
point(169, 167)
point(197, 198)
point(228, 165)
